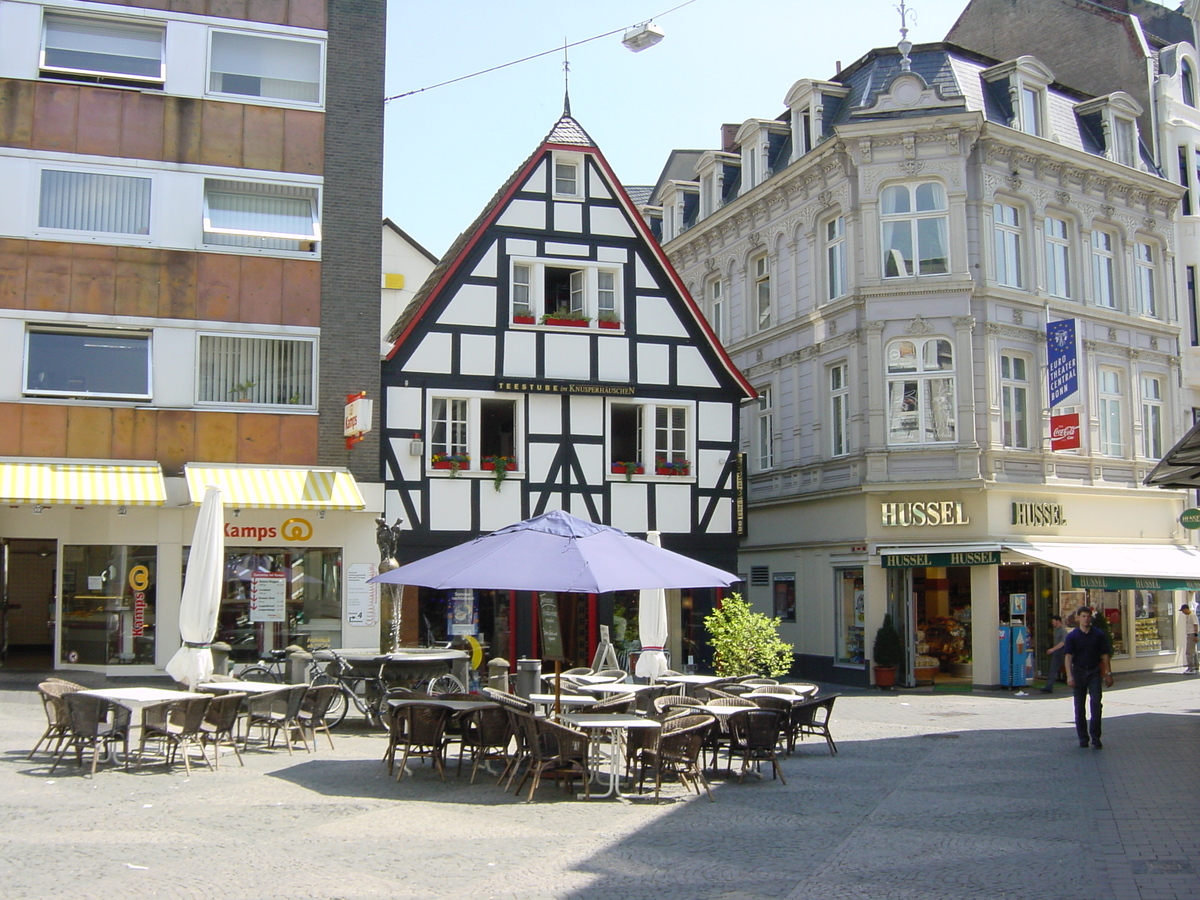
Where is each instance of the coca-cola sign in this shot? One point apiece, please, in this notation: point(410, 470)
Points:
point(1065, 432)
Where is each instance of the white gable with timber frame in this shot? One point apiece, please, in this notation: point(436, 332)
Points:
point(556, 343)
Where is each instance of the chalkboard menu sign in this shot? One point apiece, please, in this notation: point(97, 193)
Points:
point(551, 635)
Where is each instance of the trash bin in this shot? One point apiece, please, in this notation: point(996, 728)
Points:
point(529, 677)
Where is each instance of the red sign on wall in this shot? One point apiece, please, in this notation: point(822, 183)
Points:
point(1065, 432)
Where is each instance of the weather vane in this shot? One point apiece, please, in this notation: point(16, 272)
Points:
point(905, 44)
point(566, 79)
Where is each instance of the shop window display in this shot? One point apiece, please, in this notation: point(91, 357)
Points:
point(1108, 605)
point(109, 604)
point(1153, 622)
point(850, 616)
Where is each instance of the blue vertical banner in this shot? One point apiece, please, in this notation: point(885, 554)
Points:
point(1063, 374)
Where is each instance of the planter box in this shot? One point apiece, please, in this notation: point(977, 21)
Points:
point(491, 467)
point(523, 320)
point(610, 324)
point(446, 465)
point(925, 674)
point(620, 470)
point(684, 471)
point(569, 323)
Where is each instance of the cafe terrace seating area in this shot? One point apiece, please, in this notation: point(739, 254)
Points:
point(592, 734)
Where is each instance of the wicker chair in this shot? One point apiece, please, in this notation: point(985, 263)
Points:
point(732, 689)
point(677, 752)
point(616, 703)
point(486, 733)
point(787, 735)
point(812, 717)
point(71, 685)
point(614, 674)
point(222, 679)
point(220, 722)
point(673, 701)
point(718, 736)
point(511, 701)
point(93, 722)
point(712, 691)
point(798, 688)
point(754, 735)
point(314, 708)
point(580, 670)
point(554, 750)
point(420, 728)
point(58, 719)
point(277, 712)
point(758, 680)
point(176, 726)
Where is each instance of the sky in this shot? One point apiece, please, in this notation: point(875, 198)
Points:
point(450, 148)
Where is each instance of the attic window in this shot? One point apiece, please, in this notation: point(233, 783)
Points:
point(1027, 81)
point(1118, 113)
point(568, 175)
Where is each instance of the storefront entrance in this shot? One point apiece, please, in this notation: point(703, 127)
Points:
point(931, 606)
point(28, 600)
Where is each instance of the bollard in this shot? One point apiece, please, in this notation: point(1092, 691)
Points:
point(498, 673)
point(220, 658)
point(529, 677)
point(297, 664)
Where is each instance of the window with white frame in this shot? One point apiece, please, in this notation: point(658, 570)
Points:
point(914, 223)
point(761, 266)
point(1014, 401)
point(471, 432)
point(920, 391)
point(91, 201)
point(566, 291)
point(102, 50)
point(649, 438)
point(568, 175)
point(1124, 141)
point(1058, 257)
point(1104, 269)
point(1007, 225)
point(716, 308)
point(1152, 417)
point(271, 67)
point(1144, 277)
point(263, 216)
point(1109, 412)
point(1030, 112)
point(835, 257)
point(839, 409)
point(1187, 80)
point(251, 369)
point(765, 430)
point(87, 362)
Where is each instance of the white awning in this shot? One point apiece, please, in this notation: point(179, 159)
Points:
point(1121, 566)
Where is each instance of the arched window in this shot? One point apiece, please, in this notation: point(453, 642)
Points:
point(920, 391)
point(914, 229)
point(1188, 81)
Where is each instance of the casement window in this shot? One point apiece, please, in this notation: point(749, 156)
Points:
point(649, 438)
point(1152, 417)
point(835, 257)
point(565, 290)
point(87, 362)
point(920, 391)
point(716, 308)
point(1123, 134)
point(839, 409)
point(102, 50)
point(568, 175)
point(251, 369)
point(765, 429)
point(1104, 269)
point(1058, 257)
point(275, 68)
point(264, 216)
point(1193, 304)
point(1109, 412)
point(1187, 82)
point(472, 429)
point(94, 202)
point(761, 266)
point(914, 223)
point(1144, 278)
point(1181, 161)
point(1031, 103)
point(1007, 227)
point(1014, 401)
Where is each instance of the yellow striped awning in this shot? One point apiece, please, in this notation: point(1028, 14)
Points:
point(276, 487)
point(82, 484)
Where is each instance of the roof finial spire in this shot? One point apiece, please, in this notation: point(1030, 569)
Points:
point(566, 80)
point(905, 44)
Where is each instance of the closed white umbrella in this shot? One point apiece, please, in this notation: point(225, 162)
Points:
point(652, 626)
point(201, 601)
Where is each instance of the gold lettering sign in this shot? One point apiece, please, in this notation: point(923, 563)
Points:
point(921, 512)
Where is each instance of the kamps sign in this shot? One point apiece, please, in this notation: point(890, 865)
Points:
point(1063, 374)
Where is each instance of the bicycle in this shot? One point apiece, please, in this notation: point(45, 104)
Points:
point(371, 700)
point(269, 668)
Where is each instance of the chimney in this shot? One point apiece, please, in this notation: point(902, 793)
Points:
point(729, 137)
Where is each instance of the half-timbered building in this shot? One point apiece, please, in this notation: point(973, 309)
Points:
point(554, 360)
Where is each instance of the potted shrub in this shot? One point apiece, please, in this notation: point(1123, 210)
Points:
point(608, 320)
point(664, 466)
point(564, 316)
point(452, 461)
point(628, 469)
point(499, 466)
point(886, 653)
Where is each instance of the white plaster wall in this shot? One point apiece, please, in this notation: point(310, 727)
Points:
point(477, 354)
point(691, 368)
point(612, 359)
point(569, 217)
point(525, 214)
point(610, 220)
point(432, 354)
point(520, 354)
point(472, 304)
point(568, 356)
point(449, 504)
point(652, 361)
point(674, 507)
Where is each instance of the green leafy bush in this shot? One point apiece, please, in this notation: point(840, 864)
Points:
point(887, 649)
point(745, 642)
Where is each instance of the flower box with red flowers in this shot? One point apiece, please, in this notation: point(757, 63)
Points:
point(490, 462)
point(672, 467)
point(523, 320)
point(628, 468)
point(455, 462)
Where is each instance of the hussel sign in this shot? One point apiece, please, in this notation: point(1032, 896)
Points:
point(923, 512)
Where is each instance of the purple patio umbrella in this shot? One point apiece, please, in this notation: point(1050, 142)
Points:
point(558, 552)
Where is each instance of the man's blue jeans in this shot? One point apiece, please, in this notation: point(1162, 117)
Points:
point(1087, 685)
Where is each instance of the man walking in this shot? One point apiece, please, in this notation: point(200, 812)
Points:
point(1056, 654)
point(1088, 658)
point(1191, 629)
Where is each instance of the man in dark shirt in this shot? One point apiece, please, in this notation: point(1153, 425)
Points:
point(1088, 651)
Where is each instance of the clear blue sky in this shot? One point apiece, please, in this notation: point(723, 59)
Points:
point(450, 148)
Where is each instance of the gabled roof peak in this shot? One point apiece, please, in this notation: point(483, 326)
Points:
point(567, 131)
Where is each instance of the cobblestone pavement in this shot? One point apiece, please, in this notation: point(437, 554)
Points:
point(933, 795)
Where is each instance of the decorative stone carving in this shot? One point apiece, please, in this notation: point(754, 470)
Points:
point(918, 326)
point(710, 265)
point(1018, 317)
point(1063, 197)
point(964, 323)
point(1112, 335)
point(1153, 343)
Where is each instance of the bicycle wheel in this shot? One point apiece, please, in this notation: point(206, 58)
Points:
point(258, 673)
point(446, 684)
point(340, 705)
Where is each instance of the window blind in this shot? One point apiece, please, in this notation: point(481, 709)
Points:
point(256, 66)
point(88, 201)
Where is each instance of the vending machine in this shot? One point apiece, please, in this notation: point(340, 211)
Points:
point(1016, 652)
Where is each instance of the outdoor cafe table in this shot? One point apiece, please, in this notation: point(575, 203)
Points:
point(791, 697)
point(136, 699)
point(565, 699)
point(690, 679)
point(241, 687)
point(458, 707)
point(616, 724)
point(620, 688)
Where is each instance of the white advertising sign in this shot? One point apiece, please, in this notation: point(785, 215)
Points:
point(268, 597)
point(362, 599)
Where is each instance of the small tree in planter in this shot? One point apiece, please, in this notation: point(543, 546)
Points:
point(745, 642)
point(886, 652)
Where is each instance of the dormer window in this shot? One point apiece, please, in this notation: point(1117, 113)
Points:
point(807, 102)
point(1117, 114)
point(1025, 80)
point(1031, 111)
point(568, 175)
point(1187, 80)
point(766, 148)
